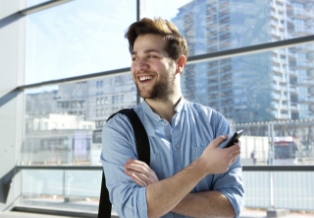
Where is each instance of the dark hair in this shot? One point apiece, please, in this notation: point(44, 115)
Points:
point(175, 43)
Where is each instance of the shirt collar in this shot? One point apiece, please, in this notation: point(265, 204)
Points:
point(180, 106)
point(148, 110)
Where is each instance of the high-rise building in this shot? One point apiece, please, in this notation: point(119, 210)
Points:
point(274, 85)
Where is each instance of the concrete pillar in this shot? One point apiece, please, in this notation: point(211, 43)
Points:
point(12, 52)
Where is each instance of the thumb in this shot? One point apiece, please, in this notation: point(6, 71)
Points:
point(218, 140)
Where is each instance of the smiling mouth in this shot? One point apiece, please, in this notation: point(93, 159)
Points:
point(145, 78)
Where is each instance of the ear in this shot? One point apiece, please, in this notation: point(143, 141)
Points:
point(180, 64)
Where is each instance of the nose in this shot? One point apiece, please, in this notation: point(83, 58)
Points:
point(141, 65)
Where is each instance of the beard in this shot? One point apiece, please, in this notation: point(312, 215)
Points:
point(161, 90)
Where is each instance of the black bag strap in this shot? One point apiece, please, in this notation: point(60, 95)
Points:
point(143, 152)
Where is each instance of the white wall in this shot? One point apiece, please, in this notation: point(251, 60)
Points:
point(12, 44)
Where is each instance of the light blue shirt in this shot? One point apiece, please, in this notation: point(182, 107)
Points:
point(173, 147)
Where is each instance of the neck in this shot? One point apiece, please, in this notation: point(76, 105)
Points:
point(165, 109)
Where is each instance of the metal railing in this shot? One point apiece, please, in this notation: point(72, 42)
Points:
point(77, 188)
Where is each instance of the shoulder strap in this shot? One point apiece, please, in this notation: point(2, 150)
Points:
point(143, 152)
point(141, 138)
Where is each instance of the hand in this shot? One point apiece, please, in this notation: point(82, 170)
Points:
point(140, 172)
point(216, 160)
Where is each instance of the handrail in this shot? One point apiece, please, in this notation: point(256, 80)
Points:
point(42, 6)
point(278, 168)
point(244, 168)
point(75, 78)
point(253, 49)
point(56, 167)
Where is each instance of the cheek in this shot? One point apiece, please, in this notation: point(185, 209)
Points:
point(133, 74)
point(133, 66)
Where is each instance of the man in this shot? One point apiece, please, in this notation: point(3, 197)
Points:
point(189, 174)
point(254, 157)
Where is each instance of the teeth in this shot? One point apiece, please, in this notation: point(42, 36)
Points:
point(142, 78)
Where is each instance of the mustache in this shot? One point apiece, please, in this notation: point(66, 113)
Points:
point(144, 72)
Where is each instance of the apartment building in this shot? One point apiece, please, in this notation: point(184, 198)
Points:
point(273, 85)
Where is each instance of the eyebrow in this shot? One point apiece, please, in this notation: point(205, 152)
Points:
point(148, 51)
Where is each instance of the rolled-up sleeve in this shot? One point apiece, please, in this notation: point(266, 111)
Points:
point(229, 183)
point(118, 145)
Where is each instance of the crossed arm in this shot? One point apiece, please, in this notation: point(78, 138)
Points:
point(173, 194)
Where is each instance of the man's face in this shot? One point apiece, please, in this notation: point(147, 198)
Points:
point(152, 70)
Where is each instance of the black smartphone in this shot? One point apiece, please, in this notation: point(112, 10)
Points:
point(234, 138)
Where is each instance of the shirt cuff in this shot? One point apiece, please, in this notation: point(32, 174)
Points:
point(142, 204)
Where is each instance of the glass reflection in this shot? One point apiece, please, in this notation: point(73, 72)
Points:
point(269, 95)
point(77, 38)
point(63, 123)
point(66, 189)
point(216, 25)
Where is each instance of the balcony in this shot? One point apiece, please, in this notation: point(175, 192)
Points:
point(299, 13)
point(276, 96)
point(301, 30)
point(276, 16)
point(302, 64)
point(276, 60)
point(306, 83)
point(277, 69)
point(293, 107)
point(292, 73)
point(292, 89)
point(279, 79)
point(305, 49)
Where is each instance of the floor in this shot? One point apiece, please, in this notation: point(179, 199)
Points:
point(247, 213)
point(29, 215)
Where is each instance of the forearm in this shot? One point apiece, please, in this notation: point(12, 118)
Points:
point(205, 204)
point(164, 195)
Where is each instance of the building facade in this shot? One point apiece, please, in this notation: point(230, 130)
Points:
point(274, 85)
point(60, 124)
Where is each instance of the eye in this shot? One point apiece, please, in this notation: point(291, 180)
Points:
point(152, 56)
point(134, 58)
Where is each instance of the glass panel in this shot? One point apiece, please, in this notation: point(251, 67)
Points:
point(62, 189)
point(63, 122)
point(257, 189)
point(291, 196)
point(216, 25)
point(267, 94)
point(291, 190)
point(71, 190)
point(76, 38)
point(42, 182)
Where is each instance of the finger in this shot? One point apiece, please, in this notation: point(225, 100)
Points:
point(131, 160)
point(142, 176)
point(138, 180)
point(235, 157)
point(138, 162)
point(236, 148)
point(140, 168)
point(138, 175)
point(218, 140)
point(238, 142)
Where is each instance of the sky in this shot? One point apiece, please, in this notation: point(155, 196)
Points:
point(83, 37)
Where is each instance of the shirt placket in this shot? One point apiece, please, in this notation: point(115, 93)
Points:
point(176, 145)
